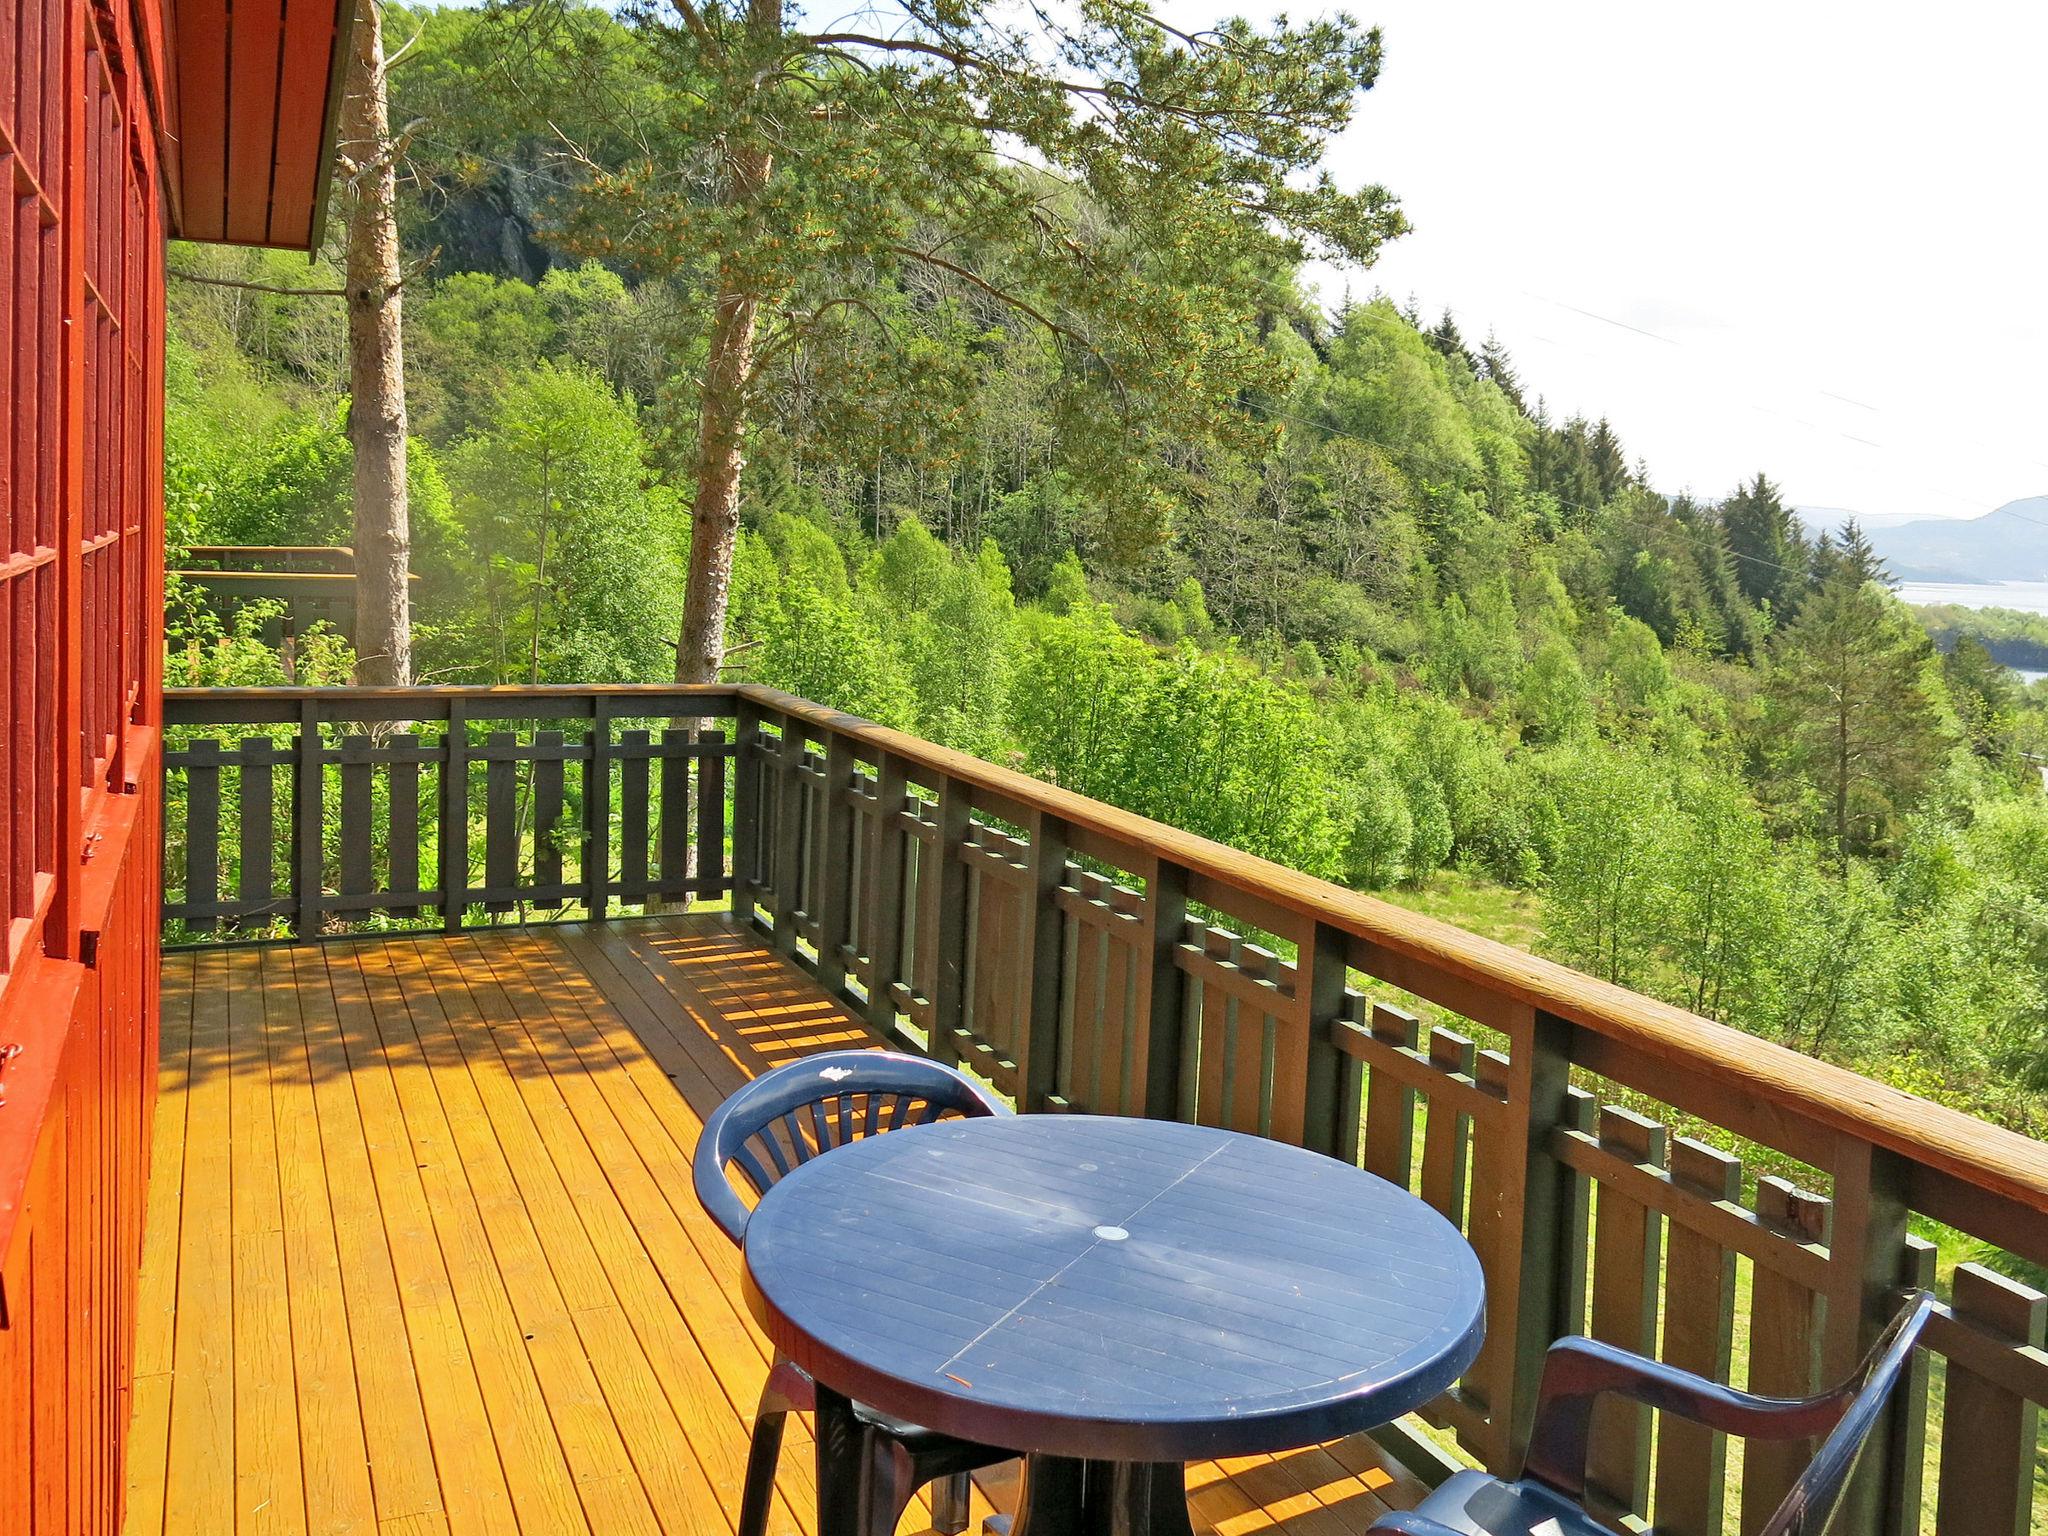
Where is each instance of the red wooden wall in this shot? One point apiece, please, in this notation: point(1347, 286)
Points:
point(81, 389)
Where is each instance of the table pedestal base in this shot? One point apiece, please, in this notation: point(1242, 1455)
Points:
point(1063, 1497)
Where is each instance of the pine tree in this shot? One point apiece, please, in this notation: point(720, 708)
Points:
point(1497, 366)
point(1854, 551)
point(1610, 464)
point(1849, 712)
point(1447, 339)
point(1096, 177)
point(1771, 555)
point(382, 533)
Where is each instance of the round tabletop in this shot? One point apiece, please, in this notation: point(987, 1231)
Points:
point(1112, 1289)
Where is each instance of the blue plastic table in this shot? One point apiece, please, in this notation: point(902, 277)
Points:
point(1112, 1298)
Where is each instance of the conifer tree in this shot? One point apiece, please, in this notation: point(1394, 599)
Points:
point(1497, 366)
point(1770, 552)
point(1849, 712)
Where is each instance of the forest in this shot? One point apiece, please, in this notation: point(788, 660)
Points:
point(1325, 581)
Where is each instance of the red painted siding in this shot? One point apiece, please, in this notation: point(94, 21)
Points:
point(81, 452)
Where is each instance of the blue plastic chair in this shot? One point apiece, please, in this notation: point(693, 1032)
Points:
point(870, 1466)
point(1550, 1495)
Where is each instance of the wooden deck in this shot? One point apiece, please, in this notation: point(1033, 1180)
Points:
point(422, 1253)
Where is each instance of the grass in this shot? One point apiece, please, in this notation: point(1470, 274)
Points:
point(1493, 911)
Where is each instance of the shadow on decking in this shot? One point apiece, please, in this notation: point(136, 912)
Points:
point(423, 1253)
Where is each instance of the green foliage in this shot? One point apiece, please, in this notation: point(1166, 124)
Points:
point(574, 559)
point(203, 650)
point(1851, 714)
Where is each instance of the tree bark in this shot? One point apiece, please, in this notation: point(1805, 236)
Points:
point(721, 455)
point(376, 353)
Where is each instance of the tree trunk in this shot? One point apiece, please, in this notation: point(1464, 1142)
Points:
point(721, 454)
point(376, 356)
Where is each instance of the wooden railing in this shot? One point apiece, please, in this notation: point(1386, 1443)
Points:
point(1622, 1167)
point(336, 809)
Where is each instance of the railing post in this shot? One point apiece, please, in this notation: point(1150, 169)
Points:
point(947, 923)
point(883, 904)
point(746, 808)
point(1320, 974)
point(1906, 1451)
point(835, 865)
point(454, 817)
point(308, 810)
point(1162, 986)
point(1039, 1054)
point(1533, 1259)
point(1869, 1257)
point(597, 811)
point(787, 870)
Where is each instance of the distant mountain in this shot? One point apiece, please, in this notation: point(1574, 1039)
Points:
point(1830, 519)
point(2009, 544)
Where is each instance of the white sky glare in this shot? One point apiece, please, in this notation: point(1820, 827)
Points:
point(1832, 219)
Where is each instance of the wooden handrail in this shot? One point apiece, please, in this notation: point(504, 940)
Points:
point(1975, 1151)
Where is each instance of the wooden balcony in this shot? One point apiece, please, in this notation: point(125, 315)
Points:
point(1622, 1168)
point(422, 1253)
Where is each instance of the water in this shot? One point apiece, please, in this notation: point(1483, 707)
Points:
point(2022, 596)
point(2025, 596)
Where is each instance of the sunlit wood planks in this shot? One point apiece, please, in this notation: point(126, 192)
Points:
point(423, 1257)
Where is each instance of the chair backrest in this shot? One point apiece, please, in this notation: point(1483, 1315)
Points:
point(786, 1117)
point(1818, 1491)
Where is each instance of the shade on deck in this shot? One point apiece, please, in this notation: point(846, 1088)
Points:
point(422, 1253)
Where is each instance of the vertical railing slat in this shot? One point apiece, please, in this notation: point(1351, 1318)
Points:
point(1988, 1433)
point(710, 860)
point(946, 883)
point(747, 811)
point(356, 833)
point(1627, 1253)
point(1447, 1133)
point(202, 832)
point(549, 772)
point(403, 860)
point(672, 838)
point(1784, 1344)
point(596, 865)
point(1390, 1103)
point(453, 835)
point(309, 807)
point(257, 832)
point(632, 753)
point(835, 873)
point(883, 901)
point(501, 823)
point(786, 864)
point(1162, 996)
point(1040, 942)
point(1699, 1333)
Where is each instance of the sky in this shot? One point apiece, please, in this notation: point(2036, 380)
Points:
point(1804, 238)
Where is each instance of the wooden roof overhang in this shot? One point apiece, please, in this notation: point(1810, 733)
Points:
point(249, 96)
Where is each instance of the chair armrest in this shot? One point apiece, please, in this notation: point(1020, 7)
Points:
point(1577, 1371)
point(1406, 1522)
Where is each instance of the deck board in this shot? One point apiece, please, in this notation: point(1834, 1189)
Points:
point(423, 1258)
